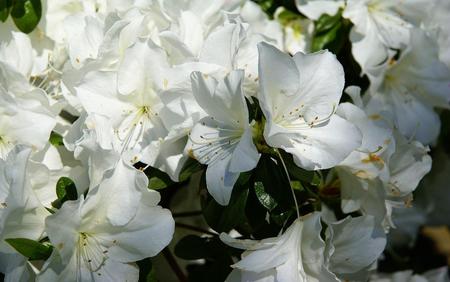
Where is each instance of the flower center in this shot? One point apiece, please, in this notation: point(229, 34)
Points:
point(133, 127)
point(91, 252)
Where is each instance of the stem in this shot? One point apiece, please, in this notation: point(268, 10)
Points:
point(187, 214)
point(194, 228)
point(174, 265)
point(289, 179)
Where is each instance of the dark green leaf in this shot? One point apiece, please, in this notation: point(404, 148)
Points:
point(65, 191)
point(224, 218)
point(146, 271)
point(56, 139)
point(31, 249)
point(326, 22)
point(330, 32)
point(26, 14)
point(65, 187)
point(321, 41)
point(190, 167)
point(5, 7)
point(158, 179)
point(271, 174)
point(264, 198)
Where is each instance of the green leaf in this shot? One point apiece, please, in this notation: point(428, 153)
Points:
point(297, 173)
point(190, 167)
point(271, 174)
point(330, 32)
point(160, 180)
point(157, 179)
point(264, 198)
point(326, 22)
point(65, 187)
point(5, 7)
point(225, 218)
point(56, 139)
point(65, 191)
point(321, 41)
point(31, 249)
point(26, 14)
point(146, 270)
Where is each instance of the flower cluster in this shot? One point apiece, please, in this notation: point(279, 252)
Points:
point(302, 130)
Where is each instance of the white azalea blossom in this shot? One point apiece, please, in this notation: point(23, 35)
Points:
point(24, 119)
point(114, 114)
point(100, 238)
point(344, 240)
point(378, 196)
point(22, 215)
point(299, 254)
point(313, 9)
point(130, 99)
point(377, 145)
point(380, 27)
point(223, 139)
point(299, 97)
point(296, 255)
point(411, 88)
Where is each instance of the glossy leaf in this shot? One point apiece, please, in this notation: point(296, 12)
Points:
point(5, 8)
point(65, 191)
point(264, 198)
point(31, 249)
point(26, 14)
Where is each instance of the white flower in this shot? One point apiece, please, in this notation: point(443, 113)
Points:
point(56, 11)
point(300, 255)
point(297, 255)
point(378, 196)
point(410, 89)
point(97, 238)
point(190, 24)
point(129, 98)
point(299, 97)
point(223, 140)
point(435, 22)
point(368, 161)
point(24, 119)
point(313, 9)
point(407, 166)
point(354, 245)
point(379, 27)
point(298, 32)
point(21, 213)
point(84, 37)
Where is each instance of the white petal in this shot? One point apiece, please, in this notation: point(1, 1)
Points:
point(224, 99)
point(321, 84)
point(134, 73)
point(144, 236)
point(245, 156)
point(220, 180)
point(319, 147)
point(315, 8)
point(358, 242)
point(278, 76)
point(63, 226)
point(117, 197)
